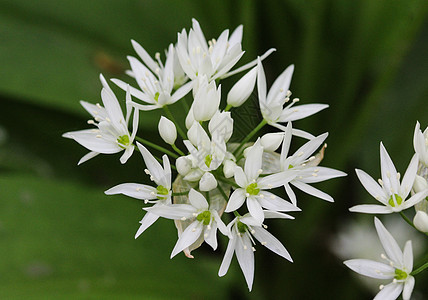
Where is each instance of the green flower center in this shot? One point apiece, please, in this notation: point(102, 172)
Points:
point(242, 228)
point(204, 217)
point(290, 166)
point(398, 200)
point(252, 189)
point(208, 160)
point(400, 274)
point(161, 190)
point(123, 141)
point(157, 96)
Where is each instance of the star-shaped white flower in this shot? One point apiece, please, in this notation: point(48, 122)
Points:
point(160, 195)
point(242, 229)
point(214, 58)
point(420, 143)
point(306, 165)
point(398, 267)
point(389, 192)
point(156, 81)
point(272, 103)
point(206, 221)
point(252, 187)
point(112, 135)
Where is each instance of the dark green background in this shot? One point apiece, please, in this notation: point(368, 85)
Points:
point(61, 237)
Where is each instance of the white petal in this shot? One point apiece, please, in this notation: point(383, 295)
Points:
point(408, 287)
point(371, 268)
point(93, 141)
point(197, 200)
point(210, 235)
point(300, 111)
point(281, 85)
point(389, 173)
point(286, 142)
point(261, 83)
point(274, 202)
point(87, 157)
point(173, 211)
point(409, 177)
point(245, 256)
point(290, 194)
point(392, 250)
point(224, 267)
point(276, 180)
point(415, 199)
point(271, 242)
point(269, 214)
point(188, 237)
point(127, 154)
point(142, 53)
point(153, 165)
point(312, 191)
point(236, 200)
point(240, 177)
point(408, 256)
point(146, 222)
point(370, 184)
point(389, 292)
point(134, 190)
point(255, 209)
point(181, 92)
point(371, 209)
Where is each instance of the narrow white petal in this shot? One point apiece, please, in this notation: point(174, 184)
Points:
point(134, 190)
point(142, 53)
point(276, 203)
point(389, 292)
point(409, 177)
point(146, 222)
point(240, 177)
point(153, 165)
point(87, 157)
point(134, 92)
point(312, 191)
point(290, 194)
point(197, 200)
point(94, 141)
point(371, 209)
point(127, 154)
point(269, 214)
point(253, 161)
point(173, 211)
point(415, 199)
point(408, 256)
point(300, 111)
point(224, 267)
point(277, 180)
point(255, 209)
point(392, 250)
point(210, 235)
point(181, 92)
point(271, 242)
point(408, 287)
point(371, 268)
point(282, 83)
point(389, 173)
point(188, 237)
point(286, 142)
point(245, 256)
point(236, 200)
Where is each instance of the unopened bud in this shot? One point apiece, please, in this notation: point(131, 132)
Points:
point(167, 130)
point(421, 221)
point(240, 92)
point(183, 165)
point(229, 168)
point(271, 141)
point(207, 182)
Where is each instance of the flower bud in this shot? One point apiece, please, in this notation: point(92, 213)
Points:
point(421, 221)
point(207, 182)
point(189, 118)
point(221, 125)
point(240, 92)
point(271, 141)
point(229, 168)
point(207, 101)
point(183, 165)
point(420, 184)
point(167, 130)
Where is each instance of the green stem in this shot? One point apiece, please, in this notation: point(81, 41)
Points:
point(228, 107)
point(420, 269)
point(171, 117)
point(225, 180)
point(407, 220)
point(177, 150)
point(249, 136)
point(157, 147)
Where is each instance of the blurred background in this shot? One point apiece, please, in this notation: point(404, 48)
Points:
point(61, 237)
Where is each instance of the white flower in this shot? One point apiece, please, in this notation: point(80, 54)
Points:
point(167, 130)
point(242, 229)
point(242, 89)
point(398, 267)
point(207, 100)
point(206, 221)
point(389, 192)
point(271, 104)
point(420, 143)
point(112, 135)
point(252, 188)
point(156, 82)
point(160, 195)
point(221, 124)
point(306, 165)
point(214, 58)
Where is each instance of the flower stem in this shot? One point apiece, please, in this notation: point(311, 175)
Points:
point(228, 107)
point(225, 180)
point(249, 136)
point(157, 147)
point(420, 269)
point(405, 218)
point(177, 150)
point(171, 117)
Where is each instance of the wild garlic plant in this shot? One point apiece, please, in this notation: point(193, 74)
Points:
point(395, 197)
point(204, 177)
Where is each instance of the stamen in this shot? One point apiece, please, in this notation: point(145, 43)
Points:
point(91, 122)
point(183, 219)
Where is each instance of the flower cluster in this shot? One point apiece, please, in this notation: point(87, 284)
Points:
point(215, 176)
point(393, 196)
